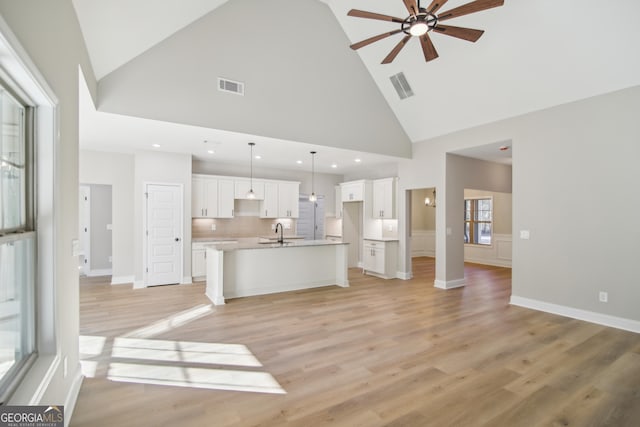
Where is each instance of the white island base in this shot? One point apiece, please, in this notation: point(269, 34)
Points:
point(237, 270)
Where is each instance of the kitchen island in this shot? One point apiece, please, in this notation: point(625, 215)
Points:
point(246, 269)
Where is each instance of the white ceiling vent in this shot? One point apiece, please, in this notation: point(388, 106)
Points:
point(401, 85)
point(226, 85)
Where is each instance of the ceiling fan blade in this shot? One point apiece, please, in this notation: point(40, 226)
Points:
point(412, 7)
point(435, 6)
point(473, 7)
point(396, 50)
point(370, 15)
point(468, 34)
point(373, 39)
point(428, 48)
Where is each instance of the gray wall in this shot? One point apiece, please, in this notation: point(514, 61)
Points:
point(50, 34)
point(422, 217)
point(562, 156)
point(311, 89)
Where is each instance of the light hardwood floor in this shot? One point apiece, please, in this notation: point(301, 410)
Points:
point(382, 352)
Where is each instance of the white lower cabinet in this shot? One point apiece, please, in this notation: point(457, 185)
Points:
point(380, 258)
point(198, 263)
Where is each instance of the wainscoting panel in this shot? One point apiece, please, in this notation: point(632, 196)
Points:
point(423, 243)
point(498, 253)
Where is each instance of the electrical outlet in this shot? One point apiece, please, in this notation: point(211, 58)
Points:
point(287, 226)
point(525, 234)
point(604, 296)
point(273, 227)
point(213, 227)
point(110, 259)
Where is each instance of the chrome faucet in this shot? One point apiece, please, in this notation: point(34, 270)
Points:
point(281, 238)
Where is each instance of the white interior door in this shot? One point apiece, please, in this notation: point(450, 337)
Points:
point(164, 234)
point(84, 214)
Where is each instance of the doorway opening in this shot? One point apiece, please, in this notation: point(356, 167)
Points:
point(95, 229)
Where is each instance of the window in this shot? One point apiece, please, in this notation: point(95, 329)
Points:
point(478, 218)
point(17, 243)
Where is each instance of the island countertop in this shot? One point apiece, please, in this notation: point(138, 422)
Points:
point(226, 247)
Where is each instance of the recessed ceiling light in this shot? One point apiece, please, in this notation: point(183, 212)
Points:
point(358, 160)
point(258, 157)
point(155, 145)
point(299, 162)
point(211, 152)
point(334, 166)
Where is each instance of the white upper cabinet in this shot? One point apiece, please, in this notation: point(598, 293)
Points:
point(242, 187)
point(352, 191)
point(204, 197)
point(269, 206)
point(288, 195)
point(214, 196)
point(384, 198)
point(226, 193)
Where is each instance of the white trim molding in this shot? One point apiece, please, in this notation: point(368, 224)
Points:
point(99, 272)
point(72, 397)
point(139, 284)
point(576, 313)
point(122, 280)
point(423, 243)
point(498, 253)
point(404, 276)
point(448, 284)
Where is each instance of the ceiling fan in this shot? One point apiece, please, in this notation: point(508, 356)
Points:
point(421, 21)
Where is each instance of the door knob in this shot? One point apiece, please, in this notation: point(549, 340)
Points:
point(177, 239)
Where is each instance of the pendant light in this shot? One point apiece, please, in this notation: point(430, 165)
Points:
point(251, 194)
point(313, 197)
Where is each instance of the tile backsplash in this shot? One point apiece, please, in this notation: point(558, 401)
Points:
point(240, 226)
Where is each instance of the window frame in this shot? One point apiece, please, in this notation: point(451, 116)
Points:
point(28, 231)
point(472, 221)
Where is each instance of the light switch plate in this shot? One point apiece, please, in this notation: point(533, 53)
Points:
point(525, 234)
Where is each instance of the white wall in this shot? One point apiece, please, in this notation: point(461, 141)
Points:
point(116, 170)
point(161, 168)
point(561, 156)
point(50, 34)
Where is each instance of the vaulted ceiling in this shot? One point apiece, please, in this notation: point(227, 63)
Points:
point(305, 85)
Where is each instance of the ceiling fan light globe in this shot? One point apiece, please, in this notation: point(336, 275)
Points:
point(418, 28)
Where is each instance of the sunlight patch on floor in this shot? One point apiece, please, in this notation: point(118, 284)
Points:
point(174, 321)
point(216, 379)
point(184, 351)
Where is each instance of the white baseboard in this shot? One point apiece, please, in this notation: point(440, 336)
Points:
point(122, 280)
point(404, 276)
point(575, 313)
point(98, 273)
point(422, 253)
point(139, 284)
point(72, 396)
point(492, 262)
point(448, 284)
point(186, 280)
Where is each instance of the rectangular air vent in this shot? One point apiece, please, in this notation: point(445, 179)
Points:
point(226, 85)
point(401, 85)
